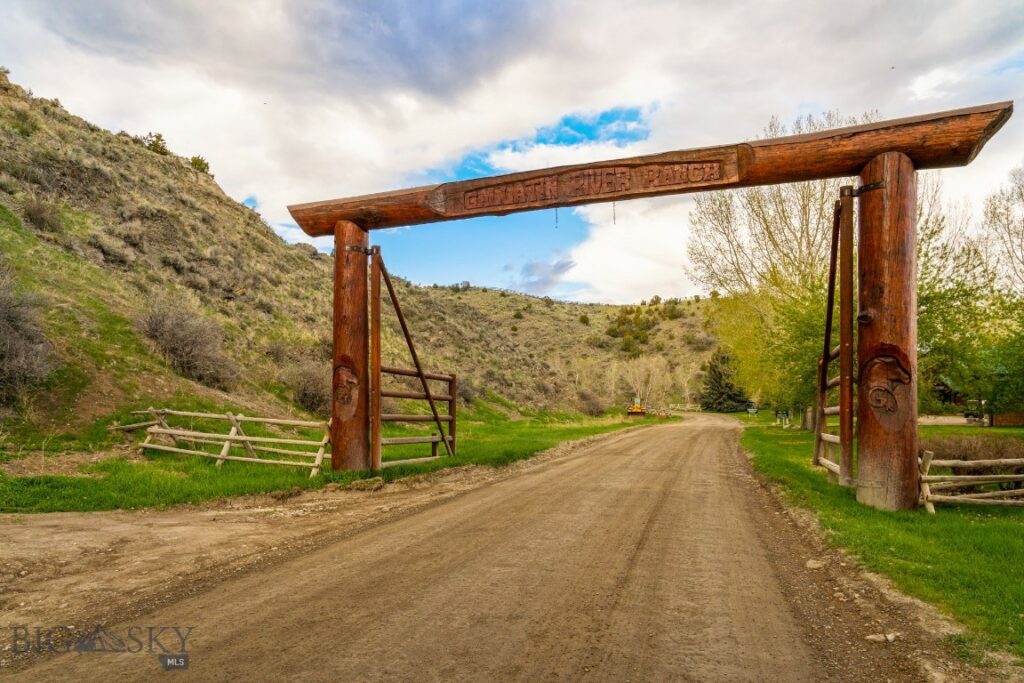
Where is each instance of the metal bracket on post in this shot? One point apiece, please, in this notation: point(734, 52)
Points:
point(868, 188)
point(356, 249)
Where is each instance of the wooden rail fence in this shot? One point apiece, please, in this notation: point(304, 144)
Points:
point(962, 488)
point(303, 452)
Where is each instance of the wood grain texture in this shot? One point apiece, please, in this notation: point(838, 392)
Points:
point(887, 465)
point(846, 374)
point(951, 138)
point(350, 404)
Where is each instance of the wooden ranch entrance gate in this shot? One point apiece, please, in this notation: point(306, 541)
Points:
point(885, 156)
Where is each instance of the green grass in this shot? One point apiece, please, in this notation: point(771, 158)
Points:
point(20, 436)
point(968, 561)
point(486, 437)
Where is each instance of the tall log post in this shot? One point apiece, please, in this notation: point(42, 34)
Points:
point(375, 373)
point(350, 405)
point(887, 344)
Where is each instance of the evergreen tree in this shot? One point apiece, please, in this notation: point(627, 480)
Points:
point(720, 394)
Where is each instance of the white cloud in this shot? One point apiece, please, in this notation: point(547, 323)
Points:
point(934, 84)
point(635, 250)
point(299, 101)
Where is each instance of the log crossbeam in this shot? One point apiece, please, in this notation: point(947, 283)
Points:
point(950, 138)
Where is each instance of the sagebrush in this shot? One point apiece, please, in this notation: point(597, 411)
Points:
point(26, 357)
point(310, 383)
point(192, 344)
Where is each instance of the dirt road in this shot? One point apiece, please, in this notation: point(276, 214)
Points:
point(652, 555)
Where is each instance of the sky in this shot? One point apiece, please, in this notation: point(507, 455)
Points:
point(303, 100)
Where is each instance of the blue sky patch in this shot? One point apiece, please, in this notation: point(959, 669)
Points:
point(525, 251)
point(620, 126)
point(1011, 64)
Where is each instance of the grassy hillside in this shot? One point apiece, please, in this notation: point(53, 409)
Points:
point(99, 230)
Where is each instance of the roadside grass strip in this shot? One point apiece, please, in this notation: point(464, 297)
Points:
point(967, 561)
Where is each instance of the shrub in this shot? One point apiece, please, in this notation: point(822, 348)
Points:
point(175, 262)
point(23, 123)
point(467, 391)
point(310, 383)
point(518, 315)
point(980, 447)
point(112, 251)
point(192, 344)
point(630, 346)
point(633, 322)
point(278, 350)
point(155, 142)
point(591, 404)
point(133, 235)
point(26, 357)
point(585, 319)
point(699, 342)
point(24, 171)
point(43, 215)
point(200, 164)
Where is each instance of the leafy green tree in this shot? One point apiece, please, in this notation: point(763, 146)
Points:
point(954, 296)
point(773, 238)
point(1004, 223)
point(720, 393)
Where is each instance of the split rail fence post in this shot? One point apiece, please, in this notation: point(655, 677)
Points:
point(350, 381)
point(887, 466)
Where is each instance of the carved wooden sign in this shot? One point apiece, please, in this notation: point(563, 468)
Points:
point(568, 186)
point(937, 140)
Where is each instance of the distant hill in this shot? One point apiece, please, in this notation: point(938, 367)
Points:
point(103, 229)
